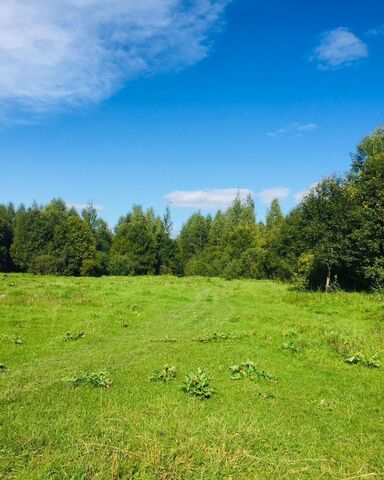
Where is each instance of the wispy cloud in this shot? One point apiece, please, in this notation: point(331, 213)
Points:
point(82, 206)
point(295, 129)
point(67, 53)
point(377, 31)
point(299, 196)
point(279, 193)
point(208, 199)
point(221, 198)
point(339, 48)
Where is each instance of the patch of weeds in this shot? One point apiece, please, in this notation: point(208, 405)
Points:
point(222, 337)
point(267, 396)
point(214, 337)
point(341, 342)
point(292, 343)
point(359, 358)
point(3, 368)
point(70, 337)
point(94, 379)
point(235, 318)
point(246, 369)
point(125, 325)
point(13, 339)
point(166, 375)
point(326, 405)
point(164, 340)
point(135, 309)
point(249, 370)
point(197, 385)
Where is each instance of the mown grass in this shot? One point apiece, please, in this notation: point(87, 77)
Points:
point(320, 418)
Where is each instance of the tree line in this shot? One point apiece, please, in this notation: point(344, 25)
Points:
point(334, 237)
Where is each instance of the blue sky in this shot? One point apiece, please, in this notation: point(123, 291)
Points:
point(183, 102)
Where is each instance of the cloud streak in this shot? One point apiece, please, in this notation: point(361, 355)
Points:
point(58, 54)
point(279, 193)
point(339, 48)
point(208, 199)
point(296, 129)
point(221, 198)
point(82, 206)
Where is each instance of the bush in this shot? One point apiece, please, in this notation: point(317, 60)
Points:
point(46, 265)
point(95, 267)
point(120, 265)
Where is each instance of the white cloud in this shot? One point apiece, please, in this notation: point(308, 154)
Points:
point(209, 199)
point(339, 48)
point(279, 193)
point(299, 196)
point(82, 206)
point(296, 129)
point(67, 53)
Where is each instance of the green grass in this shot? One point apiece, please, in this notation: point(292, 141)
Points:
point(319, 418)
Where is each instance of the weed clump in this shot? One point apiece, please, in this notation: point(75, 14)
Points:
point(3, 368)
point(94, 379)
point(267, 396)
point(166, 375)
point(164, 340)
point(341, 343)
point(135, 309)
point(292, 343)
point(69, 337)
point(13, 339)
point(214, 337)
point(249, 370)
point(222, 337)
point(359, 358)
point(197, 385)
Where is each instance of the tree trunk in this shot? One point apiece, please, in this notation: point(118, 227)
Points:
point(328, 280)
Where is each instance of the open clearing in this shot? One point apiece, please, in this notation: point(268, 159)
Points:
point(317, 417)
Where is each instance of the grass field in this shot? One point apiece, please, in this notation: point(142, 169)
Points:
point(316, 418)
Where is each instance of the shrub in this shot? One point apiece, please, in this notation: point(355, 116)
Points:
point(197, 385)
point(91, 267)
point(46, 265)
point(166, 375)
point(120, 265)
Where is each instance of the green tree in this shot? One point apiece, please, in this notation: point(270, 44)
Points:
point(133, 250)
point(275, 217)
point(7, 214)
point(367, 178)
point(194, 236)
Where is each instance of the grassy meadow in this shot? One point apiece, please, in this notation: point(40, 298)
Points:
point(313, 416)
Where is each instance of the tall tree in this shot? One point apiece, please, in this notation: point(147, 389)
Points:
point(7, 214)
point(367, 178)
